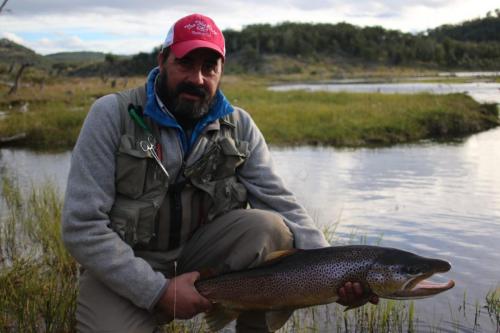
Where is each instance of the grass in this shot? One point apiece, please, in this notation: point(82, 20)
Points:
point(359, 119)
point(388, 316)
point(39, 282)
point(57, 110)
point(493, 307)
point(38, 278)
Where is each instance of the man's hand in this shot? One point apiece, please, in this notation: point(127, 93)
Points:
point(352, 295)
point(181, 299)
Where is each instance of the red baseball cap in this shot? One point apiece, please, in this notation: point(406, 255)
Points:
point(192, 32)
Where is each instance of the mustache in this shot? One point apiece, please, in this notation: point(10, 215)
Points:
point(189, 88)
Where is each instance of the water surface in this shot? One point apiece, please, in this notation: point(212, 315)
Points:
point(485, 92)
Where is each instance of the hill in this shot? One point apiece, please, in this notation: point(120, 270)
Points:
point(76, 57)
point(478, 30)
point(11, 52)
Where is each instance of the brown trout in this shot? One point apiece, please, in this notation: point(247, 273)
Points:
point(296, 279)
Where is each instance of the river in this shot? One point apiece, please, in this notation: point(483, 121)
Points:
point(484, 92)
point(435, 199)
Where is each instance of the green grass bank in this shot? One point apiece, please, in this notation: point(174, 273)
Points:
point(50, 116)
point(359, 119)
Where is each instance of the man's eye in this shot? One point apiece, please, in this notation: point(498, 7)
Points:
point(210, 67)
point(184, 62)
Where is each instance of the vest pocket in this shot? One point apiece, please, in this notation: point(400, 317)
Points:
point(214, 173)
point(134, 222)
point(219, 161)
point(131, 168)
point(228, 195)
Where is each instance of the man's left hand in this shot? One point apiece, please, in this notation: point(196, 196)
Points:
point(351, 294)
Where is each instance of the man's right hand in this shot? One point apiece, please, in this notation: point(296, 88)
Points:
point(181, 299)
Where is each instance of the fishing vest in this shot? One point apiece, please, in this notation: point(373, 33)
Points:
point(153, 212)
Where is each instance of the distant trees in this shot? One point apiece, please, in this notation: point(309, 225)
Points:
point(471, 45)
point(479, 30)
point(113, 65)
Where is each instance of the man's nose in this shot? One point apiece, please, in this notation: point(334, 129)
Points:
point(196, 76)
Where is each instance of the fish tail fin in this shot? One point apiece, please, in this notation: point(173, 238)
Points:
point(219, 317)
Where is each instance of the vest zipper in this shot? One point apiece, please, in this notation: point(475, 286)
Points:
point(175, 189)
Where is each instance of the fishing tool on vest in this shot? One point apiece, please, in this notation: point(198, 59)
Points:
point(149, 147)
point(153, 149)
point(135, 112)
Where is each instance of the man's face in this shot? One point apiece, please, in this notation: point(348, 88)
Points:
point(191, 82)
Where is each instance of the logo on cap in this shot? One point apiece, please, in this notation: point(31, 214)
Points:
point(200, 28)
point(194, 31)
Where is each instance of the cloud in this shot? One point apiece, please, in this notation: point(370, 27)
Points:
point(13, 37)
point(70, 42)
point(74, 43)
point(76, 7)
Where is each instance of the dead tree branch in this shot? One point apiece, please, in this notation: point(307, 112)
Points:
point(3, 5)
point(18, 78)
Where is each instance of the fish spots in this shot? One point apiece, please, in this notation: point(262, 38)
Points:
point(308, 277)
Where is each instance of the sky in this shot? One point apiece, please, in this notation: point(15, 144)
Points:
point(131, 26)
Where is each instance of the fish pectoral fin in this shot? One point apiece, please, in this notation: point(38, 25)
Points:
point(278, 255)
point(276, 319)
point(219, 317)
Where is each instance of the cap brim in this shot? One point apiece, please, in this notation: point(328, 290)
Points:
point(182, 48)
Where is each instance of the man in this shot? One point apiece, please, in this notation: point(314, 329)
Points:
point(159, 185)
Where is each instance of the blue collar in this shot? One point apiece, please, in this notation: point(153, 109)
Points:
point(219, 109)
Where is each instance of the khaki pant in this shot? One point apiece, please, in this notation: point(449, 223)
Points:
point(237, 240)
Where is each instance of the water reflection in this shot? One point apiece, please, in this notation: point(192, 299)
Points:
point(30, 167)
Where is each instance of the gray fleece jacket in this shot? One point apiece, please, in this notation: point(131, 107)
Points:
point(90, 195)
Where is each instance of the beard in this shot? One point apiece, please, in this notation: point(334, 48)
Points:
point(186, 112)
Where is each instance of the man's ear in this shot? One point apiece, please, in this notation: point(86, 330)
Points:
point(161, 59)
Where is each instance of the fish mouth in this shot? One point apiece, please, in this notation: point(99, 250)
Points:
point(420, 287)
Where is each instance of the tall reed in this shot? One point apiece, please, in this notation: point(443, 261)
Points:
point(38, 278)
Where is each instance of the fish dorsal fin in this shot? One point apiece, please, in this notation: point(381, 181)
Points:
point(219, 317)
point(276, 319)
point(278, 255)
